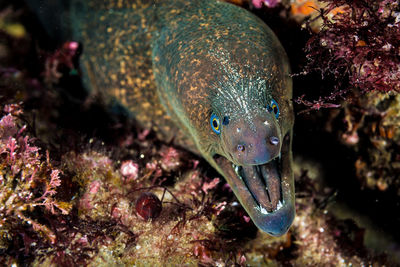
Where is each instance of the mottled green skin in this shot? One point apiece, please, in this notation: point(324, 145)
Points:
point(117, 59)
point(199, 47)
point(174, 63)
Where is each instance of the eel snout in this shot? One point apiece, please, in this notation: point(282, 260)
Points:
point(252, 142)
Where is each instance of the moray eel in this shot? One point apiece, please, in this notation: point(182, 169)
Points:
point(206, 74)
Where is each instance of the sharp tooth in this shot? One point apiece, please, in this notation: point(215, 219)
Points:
point(280, 205)
point(262, 210)
point(236, 168)
point(280, 155)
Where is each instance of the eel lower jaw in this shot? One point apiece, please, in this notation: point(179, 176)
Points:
point(266, 191)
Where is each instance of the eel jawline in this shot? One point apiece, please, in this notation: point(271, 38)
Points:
point(265, 191)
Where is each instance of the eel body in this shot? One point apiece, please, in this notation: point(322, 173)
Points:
point(207, 74)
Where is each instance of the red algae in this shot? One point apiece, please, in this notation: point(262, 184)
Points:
point(358, 46)
point(28, 182)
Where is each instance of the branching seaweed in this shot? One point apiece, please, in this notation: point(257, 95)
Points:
point(358, 47)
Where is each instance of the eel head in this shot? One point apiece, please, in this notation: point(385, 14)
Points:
point(255, 158)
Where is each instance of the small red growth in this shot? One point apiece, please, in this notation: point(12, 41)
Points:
point(316, 104)
point(203, 253)
point(220, 207)
point(170, 160)
point(148, 206)
point(246, 218)
point(207, 186)
point(64, 57)
point(130, 170)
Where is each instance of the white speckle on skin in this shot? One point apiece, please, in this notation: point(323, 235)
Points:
point(245, 95)
point(266, 123)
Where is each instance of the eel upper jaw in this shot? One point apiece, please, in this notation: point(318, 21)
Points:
point(266, 191)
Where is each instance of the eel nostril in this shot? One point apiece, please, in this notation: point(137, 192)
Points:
point(274, 140)
point(240, 148)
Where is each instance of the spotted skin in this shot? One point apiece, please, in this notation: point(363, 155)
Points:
point(199, 65)
point(175, 63)
point(116, 60)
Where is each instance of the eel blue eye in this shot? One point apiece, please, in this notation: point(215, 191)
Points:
point(214, 121)
point(273, 107)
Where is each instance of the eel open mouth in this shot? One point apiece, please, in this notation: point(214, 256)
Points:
point(263, 183)
point(266, 191)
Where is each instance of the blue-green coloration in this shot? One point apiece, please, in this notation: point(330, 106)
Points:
point(178, 66)
point(274, 107)
point(214, 121)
